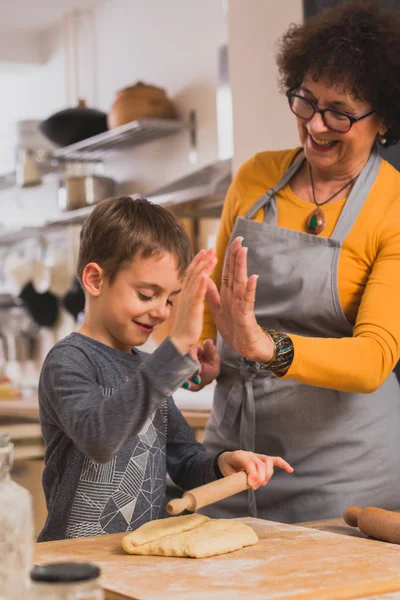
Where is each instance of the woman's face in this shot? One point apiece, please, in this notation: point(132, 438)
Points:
point(337, 152)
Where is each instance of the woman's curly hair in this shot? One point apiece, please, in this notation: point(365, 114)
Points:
point(355, 44)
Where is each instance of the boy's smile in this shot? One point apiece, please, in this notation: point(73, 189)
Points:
point(124, 313)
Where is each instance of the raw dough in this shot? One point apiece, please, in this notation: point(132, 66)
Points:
point(154, 530)
point(215, 536)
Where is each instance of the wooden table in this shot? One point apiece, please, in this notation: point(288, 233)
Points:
point(289, 562)
point(22, 408)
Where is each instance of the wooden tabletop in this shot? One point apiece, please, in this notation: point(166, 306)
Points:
point(334, 526)
point(289, 562)
point(21, 408)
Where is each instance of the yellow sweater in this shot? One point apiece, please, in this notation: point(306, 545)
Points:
point(368, 276)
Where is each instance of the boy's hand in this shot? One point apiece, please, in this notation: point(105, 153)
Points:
point(209, 366)
point(189, 318)
point(259, 467)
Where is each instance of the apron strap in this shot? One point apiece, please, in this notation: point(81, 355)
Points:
point(242, 406)
point(357, 197)
point(265, 199)
point(351, 208)
point(247, 435)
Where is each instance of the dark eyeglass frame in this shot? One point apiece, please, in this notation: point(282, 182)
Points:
point(290, 95)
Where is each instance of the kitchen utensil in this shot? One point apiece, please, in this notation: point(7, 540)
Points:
point(375, 522)
point(28, 135)
point(43, 308)
point(73, 125)
point(59, 276)
point(41, 268)
point(27, 173)
point(74, 299)
point(18, 269)
point(17, 342)
point(209, 493)
point(140, 101)
point(85, 190)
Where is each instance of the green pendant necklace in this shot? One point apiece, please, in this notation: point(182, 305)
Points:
point(316, 220)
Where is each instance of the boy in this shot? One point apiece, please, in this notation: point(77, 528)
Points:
point(111, 428)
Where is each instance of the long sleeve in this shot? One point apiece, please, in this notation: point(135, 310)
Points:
point(100, 423)
point(360, 363)
point(188, 462)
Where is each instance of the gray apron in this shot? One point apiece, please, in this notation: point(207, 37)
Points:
point(344, 446)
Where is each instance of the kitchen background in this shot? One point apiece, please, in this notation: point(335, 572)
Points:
point(52, 54)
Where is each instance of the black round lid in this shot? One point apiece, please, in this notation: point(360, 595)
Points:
point(65, 572)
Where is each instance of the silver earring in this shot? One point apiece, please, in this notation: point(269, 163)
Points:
point(382, 140)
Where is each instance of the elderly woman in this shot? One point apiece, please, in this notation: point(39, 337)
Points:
point(308, 348)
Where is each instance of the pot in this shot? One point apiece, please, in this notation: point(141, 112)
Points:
point(73, 125)
point(84, 190)
point(138, 102)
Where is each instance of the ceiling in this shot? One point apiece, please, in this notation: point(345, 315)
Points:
point(37, 15)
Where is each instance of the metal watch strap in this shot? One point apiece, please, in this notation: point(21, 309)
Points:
point(283, 351)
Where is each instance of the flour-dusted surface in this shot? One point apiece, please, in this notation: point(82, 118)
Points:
point(288, 562)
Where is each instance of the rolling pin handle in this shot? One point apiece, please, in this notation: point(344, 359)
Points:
point(351, 515)
point(178, 505)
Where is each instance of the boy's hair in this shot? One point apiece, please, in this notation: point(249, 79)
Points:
point(121, 229)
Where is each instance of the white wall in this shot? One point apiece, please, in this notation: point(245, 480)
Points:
point(262, 120)
point(172, 44)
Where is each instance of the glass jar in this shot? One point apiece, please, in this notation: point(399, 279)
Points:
point(66, 581)
point(16, 530)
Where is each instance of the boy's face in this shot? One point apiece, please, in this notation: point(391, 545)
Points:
point(138, 300)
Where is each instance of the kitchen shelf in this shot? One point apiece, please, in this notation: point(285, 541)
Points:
point(70, 217)
point(9, 238)
point(19, 235)
point(95, 148)
point(129, 135)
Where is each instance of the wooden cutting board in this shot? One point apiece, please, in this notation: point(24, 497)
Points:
point(289, 562)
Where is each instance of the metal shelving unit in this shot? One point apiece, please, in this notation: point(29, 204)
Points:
point(99, 146)
point(72, 217)
point(19, 235)
point(95, 148)
point(129, 135)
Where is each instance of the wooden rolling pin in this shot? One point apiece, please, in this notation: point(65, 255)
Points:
point(209, 493)
point(376, 522)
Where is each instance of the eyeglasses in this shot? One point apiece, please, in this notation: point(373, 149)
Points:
point(336, 120)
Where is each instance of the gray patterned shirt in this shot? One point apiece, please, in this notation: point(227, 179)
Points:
point(112, 431)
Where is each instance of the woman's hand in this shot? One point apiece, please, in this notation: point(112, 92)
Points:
point(233, 307)
point(259, 467)
point(209, 366)
point(189, 318)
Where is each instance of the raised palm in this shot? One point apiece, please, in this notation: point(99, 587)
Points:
point(233, 307)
